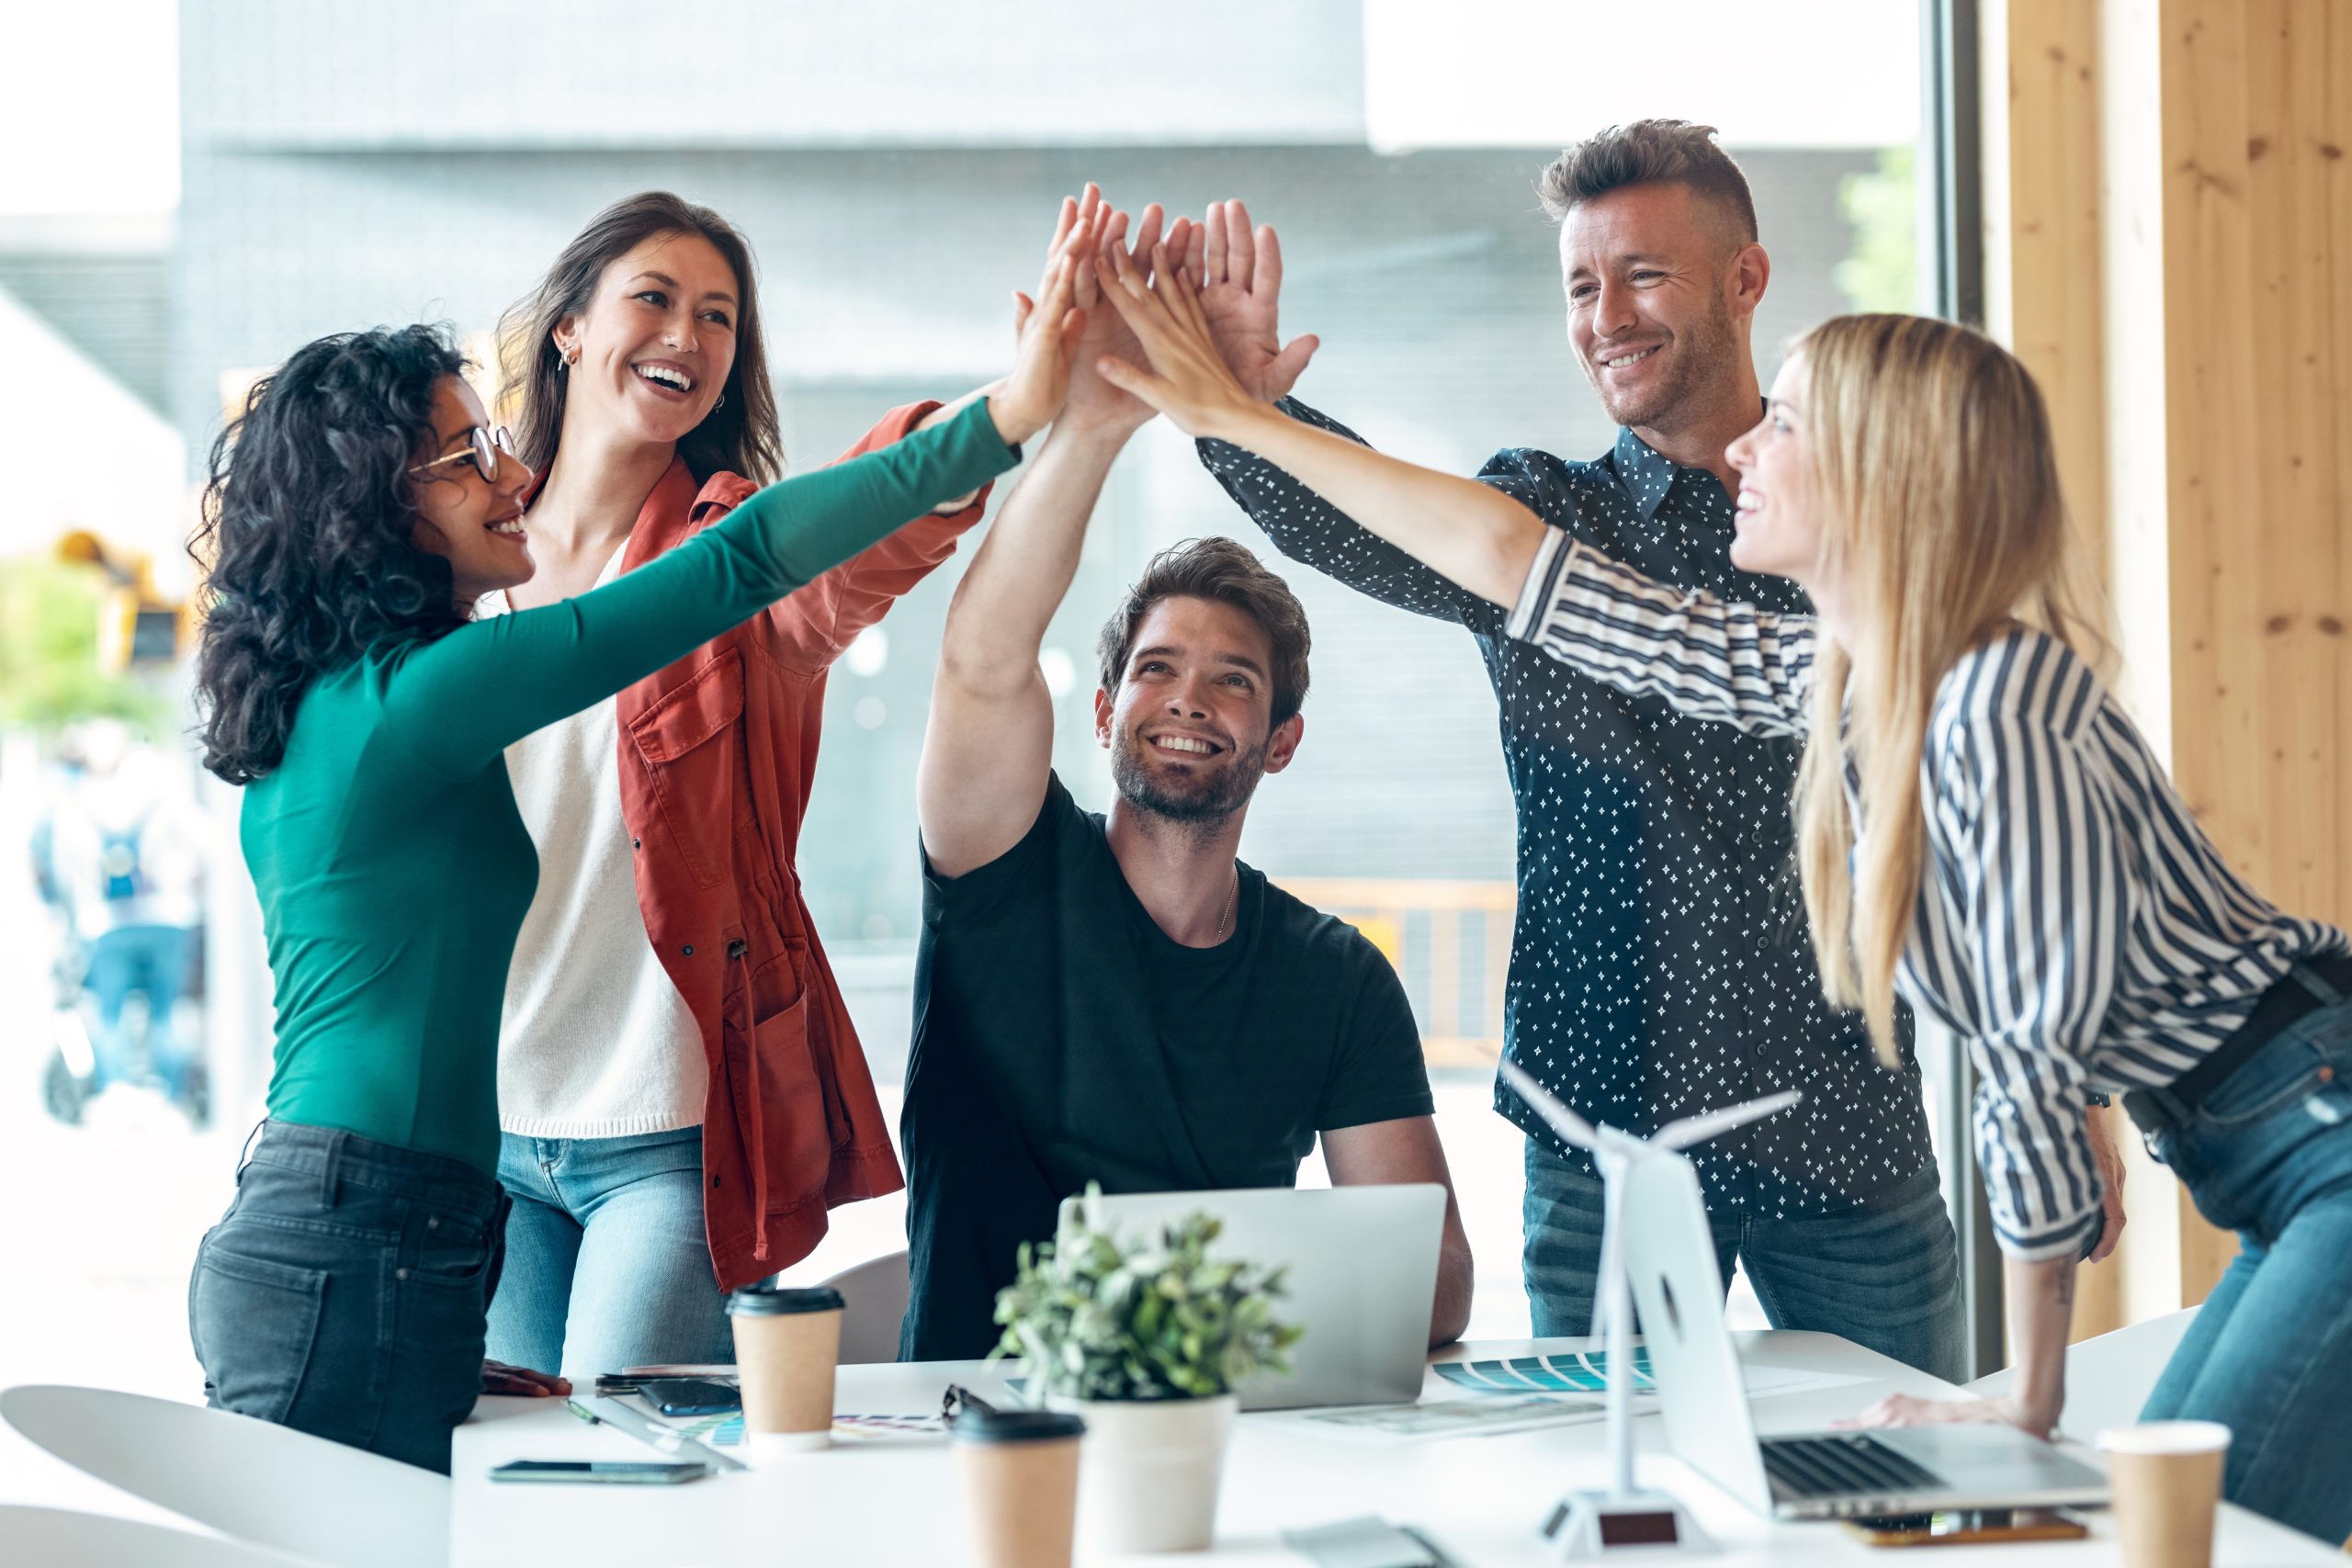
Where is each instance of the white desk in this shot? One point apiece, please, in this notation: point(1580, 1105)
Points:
point(1479, 1497)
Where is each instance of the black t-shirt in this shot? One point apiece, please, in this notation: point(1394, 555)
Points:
point(1061, 1037)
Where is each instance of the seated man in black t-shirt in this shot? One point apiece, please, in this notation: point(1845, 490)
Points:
point(1117, 998)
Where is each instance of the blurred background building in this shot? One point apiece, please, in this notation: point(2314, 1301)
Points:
point(286, 169)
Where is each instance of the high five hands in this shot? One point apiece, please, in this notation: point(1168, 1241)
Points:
point(1197, 301)
point(1047, 331)
point(1204, 315)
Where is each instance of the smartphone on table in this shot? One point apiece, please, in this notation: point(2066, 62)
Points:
point(689, 1396)
point(1969, 1526)
point(625, 1472)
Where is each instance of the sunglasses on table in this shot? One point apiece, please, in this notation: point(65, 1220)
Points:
point(482, 451)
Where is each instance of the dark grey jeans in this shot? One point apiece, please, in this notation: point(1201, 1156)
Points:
point(345, 1291)
point(1885, 1274)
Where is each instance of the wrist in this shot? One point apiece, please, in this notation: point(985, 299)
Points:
point(1240, 424)
point(1098, 428)
point(2039, 1416)
point(1016, 423)
point(1094, 435)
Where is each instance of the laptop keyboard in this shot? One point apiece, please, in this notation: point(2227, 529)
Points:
point(1829, 1467)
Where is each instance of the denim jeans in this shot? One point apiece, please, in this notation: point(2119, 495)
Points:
point(2270, 1355)
point(152, 960)
point(343, 1294)
point(607, 1263)
point(1885, 1275)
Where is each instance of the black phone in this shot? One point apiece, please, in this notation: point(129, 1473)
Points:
point(690, 1397)
point(638, 1472)
point(1970, 1526)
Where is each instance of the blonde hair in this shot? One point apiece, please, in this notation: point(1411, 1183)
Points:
point(1941, 514)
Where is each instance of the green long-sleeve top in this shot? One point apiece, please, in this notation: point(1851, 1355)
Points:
point(393, 868)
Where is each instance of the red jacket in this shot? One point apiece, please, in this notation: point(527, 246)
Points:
point(717, 756)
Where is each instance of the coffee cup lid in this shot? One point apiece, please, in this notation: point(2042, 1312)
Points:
point(1016, 1426)
point(2166, 1437)
point(758, 1301)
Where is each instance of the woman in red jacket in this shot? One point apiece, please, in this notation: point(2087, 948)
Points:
point(678, 1110)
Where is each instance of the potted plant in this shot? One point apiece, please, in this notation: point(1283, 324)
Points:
point(1146, 1342)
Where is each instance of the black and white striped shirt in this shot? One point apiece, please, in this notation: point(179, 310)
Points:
point(2075, 925)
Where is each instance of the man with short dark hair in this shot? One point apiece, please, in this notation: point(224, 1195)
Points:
point(1660, 967)
point(1117, 998)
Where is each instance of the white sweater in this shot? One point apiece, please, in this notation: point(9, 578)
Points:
point(596, 1040)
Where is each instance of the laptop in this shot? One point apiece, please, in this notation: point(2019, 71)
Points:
point(1679, 1294)
point(1360, 1274)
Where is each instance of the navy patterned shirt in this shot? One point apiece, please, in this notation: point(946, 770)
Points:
point(1660, 965)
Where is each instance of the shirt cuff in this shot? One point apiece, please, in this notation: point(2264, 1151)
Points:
point(2068, 1239)
point(1543, 579)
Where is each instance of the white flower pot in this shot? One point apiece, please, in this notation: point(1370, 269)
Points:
point(1147, 1471)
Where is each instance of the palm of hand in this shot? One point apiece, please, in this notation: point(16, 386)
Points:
point(1243, 326)
point(1091, 397)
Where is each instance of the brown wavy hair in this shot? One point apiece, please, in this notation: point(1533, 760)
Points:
point(1225, 571)
point(738, 436)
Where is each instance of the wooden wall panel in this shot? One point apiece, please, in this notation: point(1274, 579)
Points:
point(2169, 248)
point(2253, 128)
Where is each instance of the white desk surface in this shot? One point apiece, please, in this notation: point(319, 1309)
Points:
point(1480, 1498)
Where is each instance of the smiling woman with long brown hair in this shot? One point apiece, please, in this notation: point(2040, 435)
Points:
point(682, 1096)
point(358, 508)
point(1982, 831)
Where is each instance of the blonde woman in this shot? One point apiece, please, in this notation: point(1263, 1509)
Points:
point(1981, 829)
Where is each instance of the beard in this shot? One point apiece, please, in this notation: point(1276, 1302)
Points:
point(1202, 799)
point(1700, 357)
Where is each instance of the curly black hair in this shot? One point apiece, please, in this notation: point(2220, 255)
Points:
point(307, 535)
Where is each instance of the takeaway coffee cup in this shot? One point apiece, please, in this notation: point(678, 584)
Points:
point(1018, 1471)
point(2168, 1480)
point(786, 1345)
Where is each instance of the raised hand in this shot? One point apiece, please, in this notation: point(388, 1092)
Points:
point(1189, 379)
point(1096, 403)
point(1048, 330)
point(1240, 276)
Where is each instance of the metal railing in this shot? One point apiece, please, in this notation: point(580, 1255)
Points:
point(1450, 943)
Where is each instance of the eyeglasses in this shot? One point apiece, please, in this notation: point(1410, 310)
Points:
point(483, 454)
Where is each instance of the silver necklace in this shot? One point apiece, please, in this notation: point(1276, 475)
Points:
point(1232, 905)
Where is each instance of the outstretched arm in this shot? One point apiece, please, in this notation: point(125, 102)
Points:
point(988, 751)
point(1239, 270)
point(1713, 660)
point(1471, 533)
point(810, 629)
point(462, 700)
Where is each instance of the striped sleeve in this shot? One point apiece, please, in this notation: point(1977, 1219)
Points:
point(1733, 663)
point(2041, 881)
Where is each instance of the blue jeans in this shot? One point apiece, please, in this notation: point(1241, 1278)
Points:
point(343, 1293)
point(607, 1263)
point(147, 959)
point(2270, 1155)
point(1885, 1275)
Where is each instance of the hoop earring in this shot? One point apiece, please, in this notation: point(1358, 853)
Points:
point(719, 404)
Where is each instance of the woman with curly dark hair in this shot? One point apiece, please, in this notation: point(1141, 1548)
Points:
point(356, 511)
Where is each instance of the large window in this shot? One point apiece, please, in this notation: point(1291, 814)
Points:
point(897, 182)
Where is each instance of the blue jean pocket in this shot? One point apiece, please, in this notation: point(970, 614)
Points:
point(254, 1323)
point(452, 1248)
point(2311, 1056)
